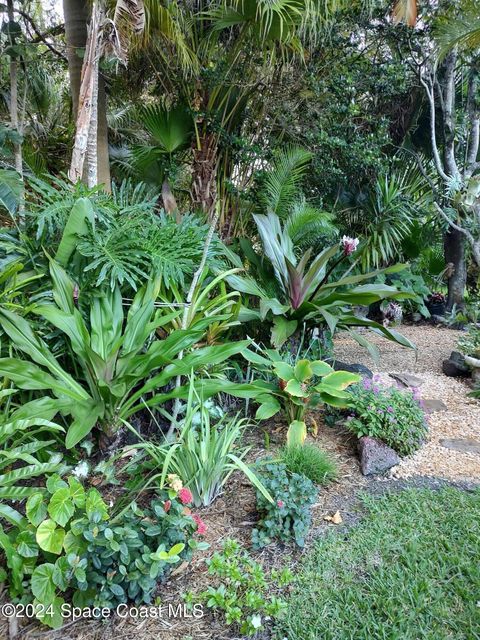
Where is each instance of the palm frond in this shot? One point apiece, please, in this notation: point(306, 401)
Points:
point(462, 31)
point(306, 224)
point(282, 183)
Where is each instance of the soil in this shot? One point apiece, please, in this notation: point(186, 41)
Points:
point(233, 514)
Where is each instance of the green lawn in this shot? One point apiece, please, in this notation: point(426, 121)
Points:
point(409, 571)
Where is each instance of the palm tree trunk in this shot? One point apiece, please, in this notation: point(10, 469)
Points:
point(76, 14)
point(204, 174)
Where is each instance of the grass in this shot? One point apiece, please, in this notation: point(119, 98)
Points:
point(409, 571)
point(311, 461)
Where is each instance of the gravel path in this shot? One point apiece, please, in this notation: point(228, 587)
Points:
point(461, 420)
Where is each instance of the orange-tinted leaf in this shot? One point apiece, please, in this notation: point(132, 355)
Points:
point(405, 11)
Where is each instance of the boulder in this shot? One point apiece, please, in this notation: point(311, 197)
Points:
point(375, 456)
point(365, 372)
point(433, 405)
point(407, 379)
point(465, 445)
point(455, 366)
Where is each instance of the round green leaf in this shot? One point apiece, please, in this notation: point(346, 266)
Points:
point(49, 537)
point(294, 388)
point(283, 370)
point(55, 482)
point(77, 492)
point(53, 617)
point(61, 507)
point(303, 370)
point(43, 587)
point(321, 368)
point(36, 509)
point(26, 544)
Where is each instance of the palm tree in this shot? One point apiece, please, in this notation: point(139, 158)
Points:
point(76, 16)
point(219, 59)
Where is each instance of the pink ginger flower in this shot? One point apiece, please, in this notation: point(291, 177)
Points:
point(349, 245)
point(280, 504)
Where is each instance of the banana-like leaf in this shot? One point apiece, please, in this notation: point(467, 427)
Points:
point(81, 217)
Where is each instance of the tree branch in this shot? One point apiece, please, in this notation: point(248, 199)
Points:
point(474, 118)
point(40, 37)
point(455, 226)
point(433, 135)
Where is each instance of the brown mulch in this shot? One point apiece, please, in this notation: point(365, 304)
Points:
point(233, 514)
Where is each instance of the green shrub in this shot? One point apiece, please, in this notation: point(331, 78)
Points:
point(288, 516)
point(390, 414)
point(469, 344)
point(68, 543)
point(243, 594)
point(309, 460)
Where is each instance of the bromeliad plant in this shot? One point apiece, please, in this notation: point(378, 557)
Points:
point(291, 292)
point(297, 388)
point(120, 364)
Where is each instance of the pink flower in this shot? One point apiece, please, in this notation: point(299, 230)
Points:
point(166, 505)
point(349, 245)
point(185, 495)
point(201, 526)
point(280, 504)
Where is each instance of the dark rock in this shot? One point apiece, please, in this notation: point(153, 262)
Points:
point(455, 366)
point(365, 372)
point(375, 456)
point(407, 379)
point(433, 405)
point(467, 445)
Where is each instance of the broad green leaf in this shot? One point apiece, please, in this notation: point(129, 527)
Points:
point(43, 587)
point(294, 388)
point(303, 370)
point(26, 544)
point(321, 368)
point(297, 432)
point(282, 329)
point(49, 537)
point(36, 509)
point(61, 507)
point(94, 504)
point(81, 218)
point(53, 616)
point(77, 492)
point(341, 379)
point(267, 409)
point(11, 515)
point(86, 417)
point(55, 482)
point(284, 370)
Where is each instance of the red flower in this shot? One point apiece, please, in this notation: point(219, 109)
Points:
point(166, 505)
point(201, 526)
point(185, 496)
point(280, 504)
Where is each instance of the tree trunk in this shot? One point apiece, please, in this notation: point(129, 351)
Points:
point(76, 15)
point(204, 174)
point(17, 147)
point(454, 245)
